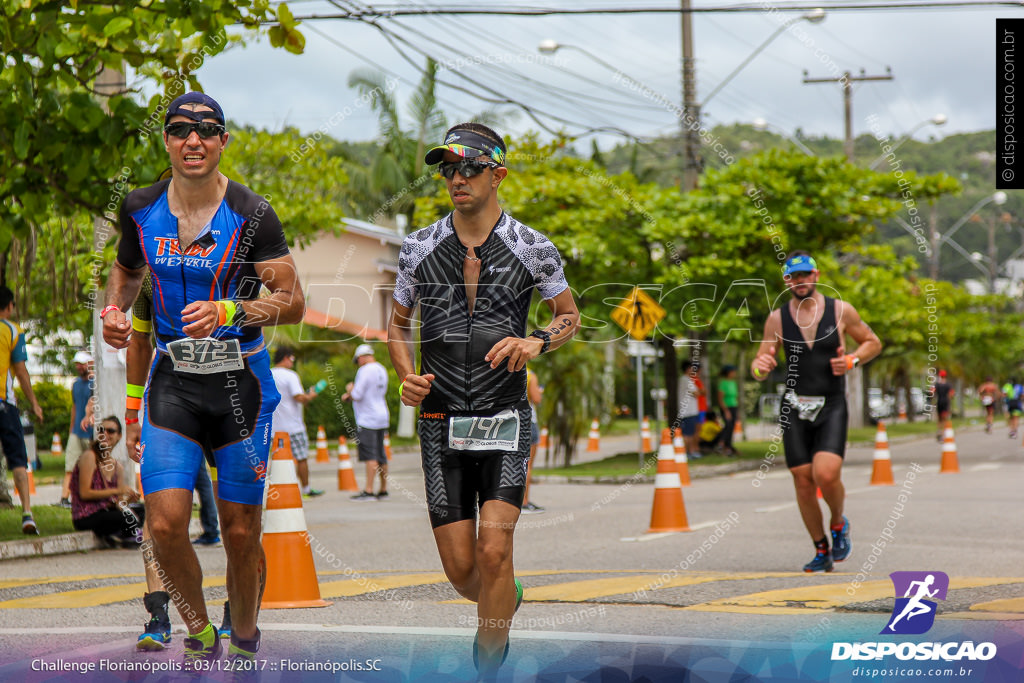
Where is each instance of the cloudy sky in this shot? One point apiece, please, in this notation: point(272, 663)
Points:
point(943, 62)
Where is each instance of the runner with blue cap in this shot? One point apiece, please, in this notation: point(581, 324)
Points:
point(811, 329)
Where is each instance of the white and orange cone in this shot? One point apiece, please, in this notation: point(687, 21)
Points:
point(902, 419)
point(346, 475)
point(291, 575)
point(55, 447)
point(737, 431)
point(881, 469)
point(950, 462)
point(594, 437)
point(682, 462)
point(543, 438)
point(645, 434)
point(387, 445)
point(322, 455)
point(668, 512)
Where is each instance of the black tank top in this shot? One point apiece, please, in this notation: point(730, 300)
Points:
point(809, 370)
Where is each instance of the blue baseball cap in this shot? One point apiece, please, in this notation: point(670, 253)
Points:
point(799, 264)
point(175, 108)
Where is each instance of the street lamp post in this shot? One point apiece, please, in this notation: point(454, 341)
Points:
point(937, 240)
point(937, 120)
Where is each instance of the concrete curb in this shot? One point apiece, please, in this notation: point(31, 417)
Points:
point(49, 545)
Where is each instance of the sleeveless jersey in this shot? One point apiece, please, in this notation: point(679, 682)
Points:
point(809, 370)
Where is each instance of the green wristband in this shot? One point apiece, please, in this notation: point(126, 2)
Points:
point(400, 387)
point(136, 390)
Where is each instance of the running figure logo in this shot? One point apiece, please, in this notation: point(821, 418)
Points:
point(913, 614)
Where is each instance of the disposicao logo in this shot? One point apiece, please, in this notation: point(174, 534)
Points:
point(914, 614)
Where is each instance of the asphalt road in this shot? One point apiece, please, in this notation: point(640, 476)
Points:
point(602, 595)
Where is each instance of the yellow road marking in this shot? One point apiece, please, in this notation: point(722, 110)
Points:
point(1014, 605)
point(826, 597)
point(17, 583)
point(370, 584)
point(91, 597)
point(580, 591)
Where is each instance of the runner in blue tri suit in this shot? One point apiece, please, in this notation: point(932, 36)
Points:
point(811, 330)
point(210, 244)
point(473, 274)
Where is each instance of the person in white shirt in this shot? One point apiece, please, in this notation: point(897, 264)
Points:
point(288, 415)
point(689, 408)
point(372, 419)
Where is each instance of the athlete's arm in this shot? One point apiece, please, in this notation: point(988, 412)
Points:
point(765, 361)
point(868, 347)
point(565, 322)
point(140, 355)
point(21, 372)
point(122, 288)
point(413, 388)
point(534, 391)
point(284, 306)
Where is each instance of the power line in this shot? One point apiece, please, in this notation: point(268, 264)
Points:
point(391, 12)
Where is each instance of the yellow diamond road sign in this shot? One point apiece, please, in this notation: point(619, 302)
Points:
point(638, 314)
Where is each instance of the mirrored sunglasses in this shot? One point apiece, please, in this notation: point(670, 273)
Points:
point(205, 129)
point(467, 168)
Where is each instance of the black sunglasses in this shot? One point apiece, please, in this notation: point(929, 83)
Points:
point(205, 129)
point(110, 430)
point(467, 168)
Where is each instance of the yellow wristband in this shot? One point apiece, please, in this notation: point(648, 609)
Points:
point(757, 373)
point(135, 390)
point(400, 388)
point(230, 309)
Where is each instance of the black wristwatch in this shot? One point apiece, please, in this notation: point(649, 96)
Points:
point(543, 336)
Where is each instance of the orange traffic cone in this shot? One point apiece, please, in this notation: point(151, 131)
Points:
point(543, 438)
point(55, 447)
point(950, 463)
point(737, 431)
point(291, 576)
point(881, 471)
point(321, 445)
point(594, 438)
point(668, 513)
point(679, 452)
point(902, 419)
point(387, 445)
point(31, 480)
point(645, 433)
point(346, 475)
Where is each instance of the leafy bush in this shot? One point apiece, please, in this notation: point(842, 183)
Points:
point(55, 401)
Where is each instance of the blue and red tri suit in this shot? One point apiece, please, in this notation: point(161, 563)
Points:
point(226, 416)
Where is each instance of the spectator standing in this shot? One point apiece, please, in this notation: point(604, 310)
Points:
point(689, 407)
point(367, 394)
point(12, 437)
point(80, 432)
point(288, 416)
point(728, 403)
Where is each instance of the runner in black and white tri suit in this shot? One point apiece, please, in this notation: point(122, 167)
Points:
point(812, 329)
point(473, 274)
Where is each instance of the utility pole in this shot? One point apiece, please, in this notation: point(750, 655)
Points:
point(854, 380)
point(691, 108)
point(109, 368)
point(847, 80)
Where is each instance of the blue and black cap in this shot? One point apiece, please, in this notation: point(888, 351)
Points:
point(799, 264)
point(176, 109)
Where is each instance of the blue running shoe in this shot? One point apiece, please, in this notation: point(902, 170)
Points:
point(156, 636)
point(822, 562)
point(841, 541)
